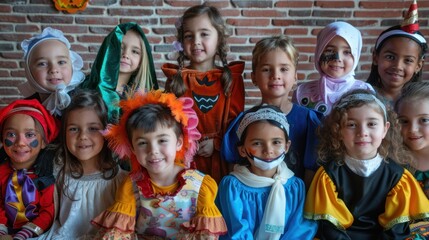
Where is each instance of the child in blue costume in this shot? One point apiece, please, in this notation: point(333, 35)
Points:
point(163, 197)
point(398, 58)
point(274, 73)
point(124, 63)
point(360, 192)
point(412, 107)
point(261, 198)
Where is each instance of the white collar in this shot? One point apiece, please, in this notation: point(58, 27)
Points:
point(363, 168)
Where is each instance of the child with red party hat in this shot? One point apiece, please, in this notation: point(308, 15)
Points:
point(26, 179)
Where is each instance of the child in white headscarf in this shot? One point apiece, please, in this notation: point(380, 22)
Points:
point(337, 55)
point(51, 68)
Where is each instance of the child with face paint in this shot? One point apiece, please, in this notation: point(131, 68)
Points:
point(261, 198)
point(163, 197)
point(398, 58)
point(274, 72)
point(52, 70)
point(337, 55)
point(87, 176)
point(123, 64)
point(360, 192)
point(26, 179)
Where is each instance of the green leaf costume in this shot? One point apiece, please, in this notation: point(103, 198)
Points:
point(105, 70)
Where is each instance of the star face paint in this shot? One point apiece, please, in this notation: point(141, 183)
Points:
point(21, 140)
point(327, 57)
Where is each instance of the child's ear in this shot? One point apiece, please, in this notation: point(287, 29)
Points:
point(242, 151)
point(287, 146)
point(254, 81)
point(419, 65)
point(386, 128)
point(43, 144)
point(179, 144)
point(374, 58)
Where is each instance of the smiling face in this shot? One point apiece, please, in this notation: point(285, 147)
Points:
point(397, 61)
point(337, 60)
point(274, 74)
point(200, 42)
point(131, 52)
point(50, 64)
point(413, 117)
point(156, 151)
point(83, 137)
point(22, 140)
point(363, 131)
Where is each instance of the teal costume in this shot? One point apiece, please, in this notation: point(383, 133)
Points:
point(105, 71)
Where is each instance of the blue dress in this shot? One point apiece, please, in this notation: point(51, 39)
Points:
point(303, 124)
point(243, 208)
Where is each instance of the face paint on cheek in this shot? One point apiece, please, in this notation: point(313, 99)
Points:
point(34, 143)
point(325, 58)
point(251, 151)
point(8, 143)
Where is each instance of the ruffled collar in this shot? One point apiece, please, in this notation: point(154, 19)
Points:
point(363, 168)
point(145, 185)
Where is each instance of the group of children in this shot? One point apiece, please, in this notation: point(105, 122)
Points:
point(341, 159)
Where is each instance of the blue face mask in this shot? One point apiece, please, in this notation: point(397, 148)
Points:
point(267, 165)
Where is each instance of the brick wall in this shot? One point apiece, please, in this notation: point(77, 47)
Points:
point(249, 21)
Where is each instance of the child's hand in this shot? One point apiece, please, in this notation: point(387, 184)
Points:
point(6, 237)
point(206, 148)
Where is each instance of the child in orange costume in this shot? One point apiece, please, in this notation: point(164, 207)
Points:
point(163, 198)
point(218, 92)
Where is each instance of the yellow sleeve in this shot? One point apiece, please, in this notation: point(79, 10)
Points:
point(322, 202)
point(405, 202)
point(208, 218)
point(122, 214)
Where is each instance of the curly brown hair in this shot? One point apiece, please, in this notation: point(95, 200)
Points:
point(332, 148)
point(177, 86)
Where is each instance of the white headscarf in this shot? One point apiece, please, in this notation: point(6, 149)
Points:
point(330, 86)
point(59, 99)
point(273, 221)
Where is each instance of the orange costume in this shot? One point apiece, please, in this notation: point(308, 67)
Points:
point(214, 110)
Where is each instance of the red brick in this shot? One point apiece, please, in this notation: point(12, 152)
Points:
point(12, 19)
point(130, 12)
point(377, 14)
point(263, 13)
point(384, 5)
point(5, 8)
point(154, 3)
point(294, 4)
point(258, 31)
point(336, 4)
point(248, 22)
point(97, 20)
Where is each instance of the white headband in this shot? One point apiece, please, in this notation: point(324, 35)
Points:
point(264, 113)
point(399, 32)
point(365, 97)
